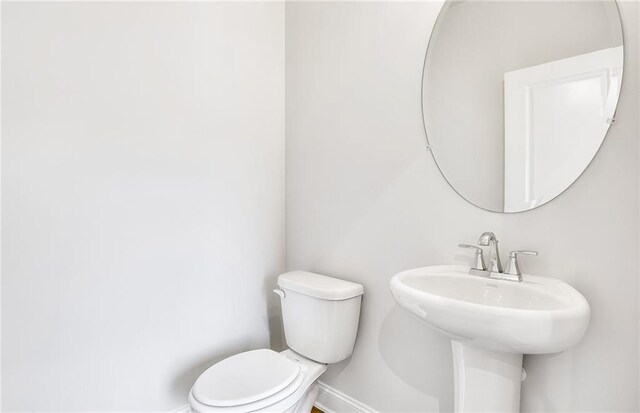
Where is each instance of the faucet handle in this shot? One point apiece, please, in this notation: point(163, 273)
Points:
point(523, 252)
point(478, 261)
point(513, 268)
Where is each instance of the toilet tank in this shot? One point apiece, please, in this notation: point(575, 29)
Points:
point(320, 315)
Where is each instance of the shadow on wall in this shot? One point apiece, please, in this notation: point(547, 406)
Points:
point(423, 361)
point(274, 314)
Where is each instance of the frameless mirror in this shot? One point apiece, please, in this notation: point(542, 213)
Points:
point(518, 96)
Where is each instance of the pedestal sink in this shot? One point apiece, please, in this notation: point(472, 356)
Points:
point(492, 323)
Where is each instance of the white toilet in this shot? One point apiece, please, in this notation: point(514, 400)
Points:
point(320, 316)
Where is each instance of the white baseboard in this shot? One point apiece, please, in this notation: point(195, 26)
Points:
point(331, 400)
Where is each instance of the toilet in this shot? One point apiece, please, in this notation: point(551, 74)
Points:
point(320, 315)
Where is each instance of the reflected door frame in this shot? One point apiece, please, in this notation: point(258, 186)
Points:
point(522, 191)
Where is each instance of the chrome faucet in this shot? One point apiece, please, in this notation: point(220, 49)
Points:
point(512, 273)
point(489, 239)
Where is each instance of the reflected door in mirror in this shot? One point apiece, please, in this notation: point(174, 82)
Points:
point(546, 145)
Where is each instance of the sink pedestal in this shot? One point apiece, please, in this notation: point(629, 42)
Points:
point(485, 381)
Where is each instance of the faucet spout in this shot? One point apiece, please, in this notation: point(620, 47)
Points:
point(489, 239)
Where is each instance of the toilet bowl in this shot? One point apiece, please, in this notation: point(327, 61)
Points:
point(263, 381)
point(320, 316)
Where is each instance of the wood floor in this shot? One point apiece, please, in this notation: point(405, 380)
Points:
point(314, 409)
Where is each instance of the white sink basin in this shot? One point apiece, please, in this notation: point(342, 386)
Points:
point(535, 316)
point(492, 323)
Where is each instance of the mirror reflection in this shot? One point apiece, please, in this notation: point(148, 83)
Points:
point(518, 96)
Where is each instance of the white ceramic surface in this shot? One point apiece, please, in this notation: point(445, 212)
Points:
point(321, 329)
point(318, 331)
point(319, 286)
point(539, 315)
point(492, 323)
point(247, 378)
point(299, 400)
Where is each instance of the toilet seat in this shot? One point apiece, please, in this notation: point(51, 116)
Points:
point(248, 381)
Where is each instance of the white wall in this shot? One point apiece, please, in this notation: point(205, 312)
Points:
point(365, 200)
point(142, 197)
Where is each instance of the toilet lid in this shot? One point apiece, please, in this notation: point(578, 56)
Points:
point(245, 378)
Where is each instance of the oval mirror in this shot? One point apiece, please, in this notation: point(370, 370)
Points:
point(518, 96)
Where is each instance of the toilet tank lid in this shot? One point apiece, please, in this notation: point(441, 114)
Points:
point(319, 286)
